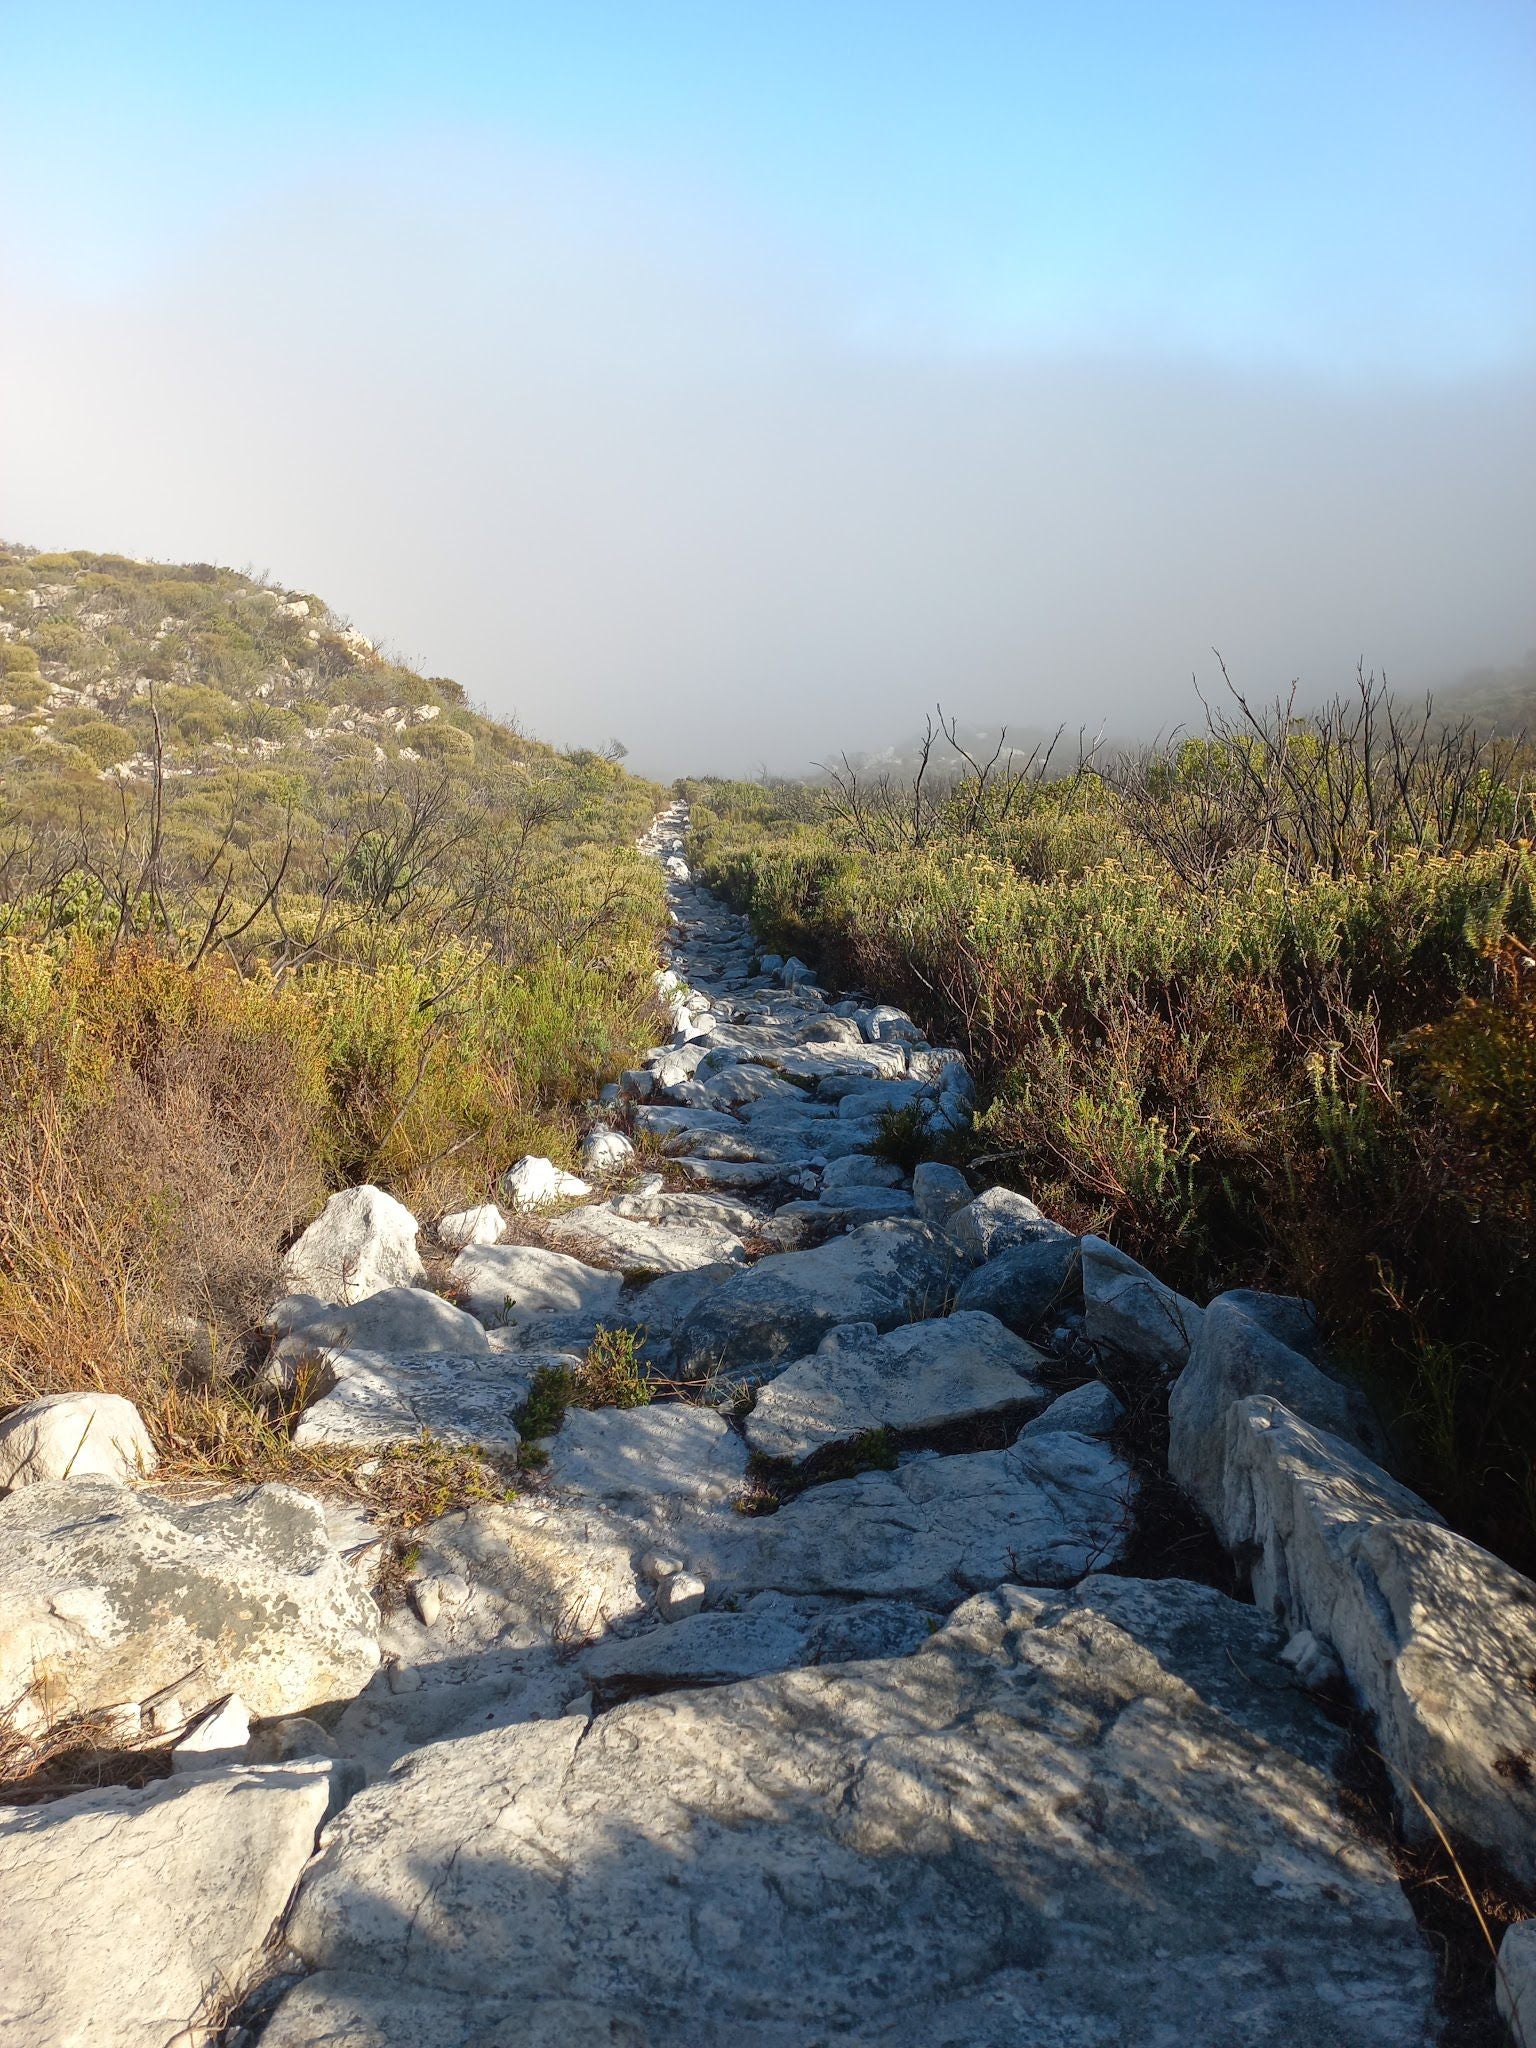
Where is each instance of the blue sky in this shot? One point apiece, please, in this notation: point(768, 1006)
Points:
point(739, 378)
point(1346, 185)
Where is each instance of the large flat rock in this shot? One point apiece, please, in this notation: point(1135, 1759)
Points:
point(111, 1598)
point(503, 1283)
point(661, 1450)
point(379, 1398)
point(1034, 1832)
point(402, 1319)
point(132, 1915)
point(637, 1244)
point(919, 1377)
point(1049, 1509)
point(884, 1273)
point(770, 1633)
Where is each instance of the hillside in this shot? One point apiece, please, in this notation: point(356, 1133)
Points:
point(103, 658)
point(1496, 699)
point(276, 914)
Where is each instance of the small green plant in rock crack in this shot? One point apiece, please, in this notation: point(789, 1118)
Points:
point(903, 1136)
point(772, 1481)
point(610, 1376)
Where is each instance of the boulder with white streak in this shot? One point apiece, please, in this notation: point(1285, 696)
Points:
point(74, 1436)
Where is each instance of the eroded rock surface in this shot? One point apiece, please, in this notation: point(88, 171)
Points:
point(115, 1599)
point(919, 1377)
point(1036, 1829)
point(131, 1916)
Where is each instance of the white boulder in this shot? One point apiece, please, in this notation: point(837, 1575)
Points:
point(917, 1378)
point(533, 1183)
point(362, 1241)
point(111, 1597)
point(605, 1152)
point(220, 1737)
point(1436, 1636)
point(1128, 1309)
point(74, 1436)
point(481, 1225)
point(1234, 1355)
point(518, 1282)
point(884, 1273)
point(997, 1221)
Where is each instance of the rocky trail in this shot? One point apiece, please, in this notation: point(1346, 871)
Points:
point(819, 1697)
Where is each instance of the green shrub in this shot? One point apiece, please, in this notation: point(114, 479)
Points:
point(1254, 1072)
point(105, 744)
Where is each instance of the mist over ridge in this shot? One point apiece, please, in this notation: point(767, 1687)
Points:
point(626, 459)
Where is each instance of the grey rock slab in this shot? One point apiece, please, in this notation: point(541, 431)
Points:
point(735, 1085)
point(1225, 1649)
point(998, 1220)
point(771, 1633)
point(667, 1208)
point(1234, 1355)
point(845, 1140)
point(815, 1066)
point(922, 1376)
point(541, 1573)
point(128, 1914)
point(860, 1171)
point(850, 1208)
point(1516, 1987)
point(111, 1597)
point(665, 1448)
point(740, 1145)
point(865, 1203)
point(395, 1319)
point(1047, 1839)
point(1127, 1308)
point(362, 1241)
point(939, 1191)
point(874, 1099)
point(788, 1123)
point(742, 1175)
point(74, 1436)
point(638, 1246)
point(1022, 1286)
point(1436, 1636)
point(375, 1398)
point(549, 1334)
point(885, 1273)
point(1048, 1509)
point(659, 1306)
point(433, 1697)
point(503, 1282)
